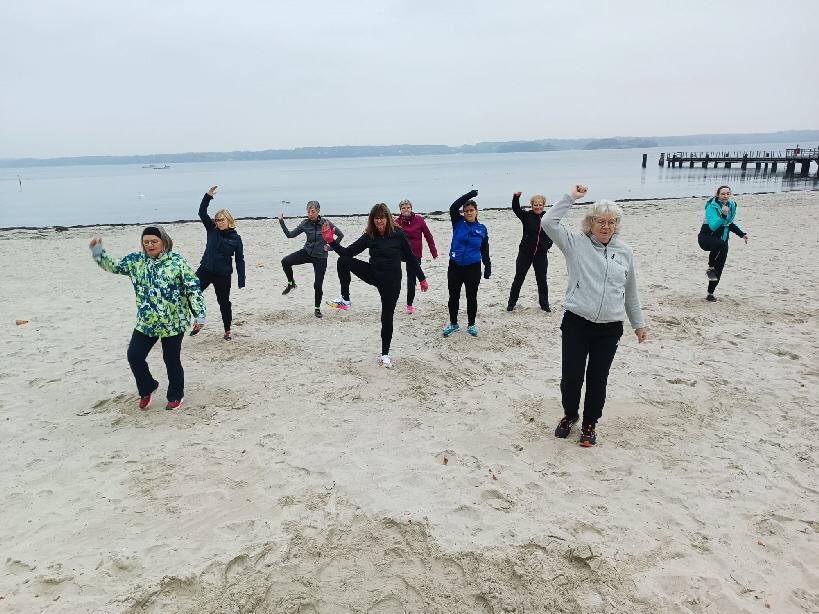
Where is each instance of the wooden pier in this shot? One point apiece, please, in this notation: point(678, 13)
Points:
point(789, 158)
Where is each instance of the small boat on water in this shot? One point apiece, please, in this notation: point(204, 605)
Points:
point(160, 168)
point(149, 166)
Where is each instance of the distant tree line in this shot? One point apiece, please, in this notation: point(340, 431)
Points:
point(367, 151)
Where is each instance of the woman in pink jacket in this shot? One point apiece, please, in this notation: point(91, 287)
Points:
point(414, 226)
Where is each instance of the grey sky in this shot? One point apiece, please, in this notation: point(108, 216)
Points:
point(108, 77)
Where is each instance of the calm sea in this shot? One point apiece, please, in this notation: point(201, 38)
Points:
point(115, 194)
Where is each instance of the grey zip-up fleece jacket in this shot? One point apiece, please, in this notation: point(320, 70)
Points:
point(602, 285)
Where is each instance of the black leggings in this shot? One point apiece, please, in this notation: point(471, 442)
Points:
point(389, 287)
point(319, 268)
point(138, 351)
point(716, 258)
point(468, 276)
point(540, 262)
point(221, 285)
point(411, 281)
point(596, 342)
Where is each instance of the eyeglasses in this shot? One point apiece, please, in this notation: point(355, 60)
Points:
point(221, 219)
point(601, 222)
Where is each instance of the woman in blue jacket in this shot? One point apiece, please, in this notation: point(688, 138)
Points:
point(720, 212)
point(216, 268)
point(470, 247)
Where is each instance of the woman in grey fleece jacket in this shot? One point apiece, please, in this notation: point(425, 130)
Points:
point(602, 290)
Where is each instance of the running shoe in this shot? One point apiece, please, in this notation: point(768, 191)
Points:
point(410, 310)
point(711, 298)
point(547, 308)
point(227, 336)
point(472, 330)
point(145, 402)
point(451, 328)
point(385, 361)
point(289, 288)
point(174, 404)
point(510, 307)
point(340, 303)
point(318, 313)
point(711, 274)
point(564, 427)
point(588, 437)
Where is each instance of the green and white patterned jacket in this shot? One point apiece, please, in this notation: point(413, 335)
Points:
point(167, 290)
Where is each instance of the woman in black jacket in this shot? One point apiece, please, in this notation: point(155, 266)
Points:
point(386, 242)
point(216, 268)
point(532, 252)
point(314, 250)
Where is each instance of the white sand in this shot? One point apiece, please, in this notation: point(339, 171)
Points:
point(299, 477)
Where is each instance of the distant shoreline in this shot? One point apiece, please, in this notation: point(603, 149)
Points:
point(406, 150)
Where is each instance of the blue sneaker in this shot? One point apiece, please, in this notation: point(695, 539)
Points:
point(451, 328)
point(472, 330)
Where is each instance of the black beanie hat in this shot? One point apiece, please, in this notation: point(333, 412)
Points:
point(152, 230)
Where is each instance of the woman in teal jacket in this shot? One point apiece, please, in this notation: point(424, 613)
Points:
point(167, 293)
point(720, 212)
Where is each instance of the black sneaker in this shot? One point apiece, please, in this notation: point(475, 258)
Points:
point(547, 308)
point(289, 287)
point(564, 427)
point(510, 308)
point(588, 437)
point(711, 274)
point(318, 313)
point(710, 298)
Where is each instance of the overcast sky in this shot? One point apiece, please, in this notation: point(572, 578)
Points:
point(109, 77)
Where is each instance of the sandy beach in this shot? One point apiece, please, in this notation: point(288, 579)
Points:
point(299, 477)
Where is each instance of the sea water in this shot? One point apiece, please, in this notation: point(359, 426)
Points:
point(126, 194)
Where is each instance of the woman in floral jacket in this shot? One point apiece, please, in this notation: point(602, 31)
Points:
point(167, 294)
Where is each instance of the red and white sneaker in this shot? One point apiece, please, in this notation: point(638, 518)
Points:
point(410, 310)
point(340, 303)
point(145, 402)
point(174, 404)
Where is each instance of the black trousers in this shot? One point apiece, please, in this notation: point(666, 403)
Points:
point(716, 258)
point(581, 341)
point(138, 351)
point(221, 285)
point(540, 262)
point(468, 276)
point(389, 288)
point(319, 269)
point(412, 281)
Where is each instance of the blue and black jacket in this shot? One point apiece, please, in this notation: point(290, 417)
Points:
point(470, 240)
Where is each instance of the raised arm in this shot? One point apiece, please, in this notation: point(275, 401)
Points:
point(203, 209)
point(328, 232)
point(299, 229)
point(516, 205)
point(558, 233)
point(118, 266)
point(455, 208)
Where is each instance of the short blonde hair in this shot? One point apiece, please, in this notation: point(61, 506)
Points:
point(231, 222)
point(597, 209)
point(540, 196)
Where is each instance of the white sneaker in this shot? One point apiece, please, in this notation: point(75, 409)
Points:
point(385, 361)
point(340, 303)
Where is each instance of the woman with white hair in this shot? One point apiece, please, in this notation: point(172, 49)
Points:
point(602, 290)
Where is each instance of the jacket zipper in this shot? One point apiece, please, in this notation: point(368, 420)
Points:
point(605, 280)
